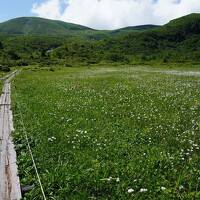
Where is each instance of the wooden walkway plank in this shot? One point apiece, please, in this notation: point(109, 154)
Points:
point(9, 180)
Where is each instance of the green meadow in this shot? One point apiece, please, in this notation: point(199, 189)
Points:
point(109, 132)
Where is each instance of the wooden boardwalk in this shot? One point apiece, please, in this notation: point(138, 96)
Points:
point(9, 180)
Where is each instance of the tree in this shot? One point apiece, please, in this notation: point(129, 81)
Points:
point(12, 55)
point(1, 45)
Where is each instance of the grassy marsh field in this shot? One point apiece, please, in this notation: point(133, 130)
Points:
point(109, 132)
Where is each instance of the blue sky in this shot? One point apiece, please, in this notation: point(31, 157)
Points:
point(101, 14)
point(15, 8)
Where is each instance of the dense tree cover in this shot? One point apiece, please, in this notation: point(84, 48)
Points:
point(177, 41)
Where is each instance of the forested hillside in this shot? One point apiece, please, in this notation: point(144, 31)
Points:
point(25, 41)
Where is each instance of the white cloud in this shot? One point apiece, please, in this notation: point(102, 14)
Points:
point(49, 9)
point(112, 14)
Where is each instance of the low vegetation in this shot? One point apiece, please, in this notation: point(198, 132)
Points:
point(109, 132)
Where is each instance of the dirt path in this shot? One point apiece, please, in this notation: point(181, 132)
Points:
point(9, 180)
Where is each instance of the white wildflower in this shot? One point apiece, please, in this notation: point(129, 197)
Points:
point(117, 179)
point(181, 187)
point(130, 190)
point(50, 139)
point(143, 190)
point(163, 188)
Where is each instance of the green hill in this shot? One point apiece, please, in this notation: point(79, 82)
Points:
point(185, 21)
point(179, 41)
point(36, 26)
point(36, 40)
point(130, 29)
point(39, 26)
point(182, 27)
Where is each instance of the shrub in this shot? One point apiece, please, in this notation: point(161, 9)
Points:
point(115, 57)
point(4, 68)
point(67, 65)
